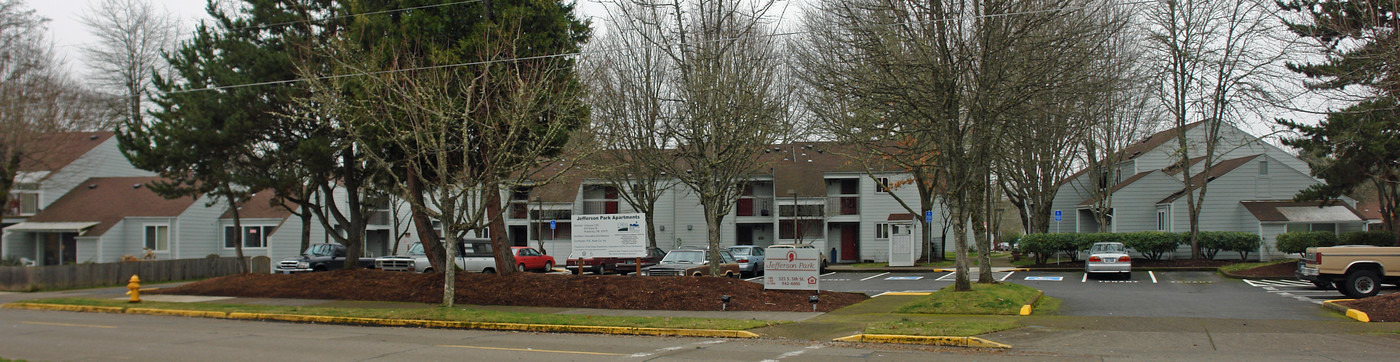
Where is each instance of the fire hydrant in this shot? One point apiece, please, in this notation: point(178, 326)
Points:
point(135, 289)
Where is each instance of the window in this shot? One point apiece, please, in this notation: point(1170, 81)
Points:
point(253, 236)
point(882, 231)
point(24, 200)
point(158, 237)
point(882, 184)
point(1161, 220)
point(1263, 168)
point(1325, 227)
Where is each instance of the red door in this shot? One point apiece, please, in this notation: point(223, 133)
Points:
point(849, 250)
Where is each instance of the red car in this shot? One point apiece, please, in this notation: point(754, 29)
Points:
point(527, 258)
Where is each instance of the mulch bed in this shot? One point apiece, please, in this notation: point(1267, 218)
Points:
point(1380, 308)
point(520, 289)
point(1281, 270)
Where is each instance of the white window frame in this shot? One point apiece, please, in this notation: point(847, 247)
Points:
point(882, 231)
point(154, 245)
point(19, 191)
point(882, 184)
point(1264, 168)
point(263, 230)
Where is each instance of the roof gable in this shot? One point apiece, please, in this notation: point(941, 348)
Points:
point(1219, 169)
point(54, 151)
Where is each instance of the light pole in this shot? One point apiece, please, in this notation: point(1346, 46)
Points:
point(796, 234)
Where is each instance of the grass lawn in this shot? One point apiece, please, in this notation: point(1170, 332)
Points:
point(1243, 266)
point(415, 311)
point(998, 299)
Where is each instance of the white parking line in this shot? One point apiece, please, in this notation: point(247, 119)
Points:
point(828, 274)
point(1008, 275)
point(1085, 278)
point(945, 276)
point(1154, 276)
point(874, 276)
point(795, 353)
point(753, 279)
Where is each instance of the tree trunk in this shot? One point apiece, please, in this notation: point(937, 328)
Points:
point(984, 251)
point(505, 260)
point(712, 223)
point(449, 269)
point(651, 227)
point(432, 245)
point(961, 280)
point(354, 233)
point(237, 231)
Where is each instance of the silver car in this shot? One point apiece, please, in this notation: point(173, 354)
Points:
point(1109, 258)
point(750, 259)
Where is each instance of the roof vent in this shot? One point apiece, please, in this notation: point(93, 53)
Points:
point(92, 138)
point(136, 186)
point(92, 186)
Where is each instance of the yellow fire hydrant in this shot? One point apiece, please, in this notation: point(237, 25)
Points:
point(135, 289)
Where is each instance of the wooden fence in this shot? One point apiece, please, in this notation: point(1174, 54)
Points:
point(19, 278)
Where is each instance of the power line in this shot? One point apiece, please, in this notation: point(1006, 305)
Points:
point(580, 53)
point(352, 15)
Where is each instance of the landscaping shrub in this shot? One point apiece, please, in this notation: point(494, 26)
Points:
point(1045, 245)
point(1299, 242)
point(1152, 244)
point(1239, 242)
point(1376, 238)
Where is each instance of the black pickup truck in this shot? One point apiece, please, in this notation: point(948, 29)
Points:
point(319, 257)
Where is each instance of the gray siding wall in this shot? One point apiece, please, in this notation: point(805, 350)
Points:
point(1270, 231)
point(105, 160)
point(88, 251)
point(1135, 206)
point(250, 252)
point(1067, 200)
point(198, 230)
point(876, 207)
point(128, 237)
point(18, 245)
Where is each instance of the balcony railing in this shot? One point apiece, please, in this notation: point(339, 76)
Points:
point(843, 205)
point(595, 207)
point(754, 207)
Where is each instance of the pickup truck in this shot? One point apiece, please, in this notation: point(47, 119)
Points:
point(1357, 270)
point(319, 257)
point(617, 265)
point(472, 255)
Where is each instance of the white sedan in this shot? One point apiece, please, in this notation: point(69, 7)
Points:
point(1109, 258)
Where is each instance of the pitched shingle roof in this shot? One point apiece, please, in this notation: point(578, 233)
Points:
point(53, 151)
point(1219, 169)
point(107, 200)
point(1117, 187)
point(1269, 210)
point(259, 207)
point(1140, 147)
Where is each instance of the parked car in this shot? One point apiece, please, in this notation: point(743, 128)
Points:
point(616, 265)
point(474, 255)
point(692, 262)
point(1358, 271)
point(750, 259)
point(1109, 258)
point(804, 246)
point(319, 257)
point(527, 258)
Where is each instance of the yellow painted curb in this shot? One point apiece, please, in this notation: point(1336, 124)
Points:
point(1028, 308)
point(1350, 313)
point(65, 308)
point(931, 340)
point(177, 312)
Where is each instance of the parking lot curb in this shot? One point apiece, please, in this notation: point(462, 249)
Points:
point(1030, 306)
point(298, 318)
point(1349, 312)
point(973, 342)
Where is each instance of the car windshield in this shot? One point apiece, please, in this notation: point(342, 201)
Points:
point(319, 250)
point(684, 257)
point(728, 258)
point(1107, 248)
point(416, 249)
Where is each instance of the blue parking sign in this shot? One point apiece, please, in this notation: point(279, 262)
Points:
point(551, 224)
point(1059, 215)
point(928, 216)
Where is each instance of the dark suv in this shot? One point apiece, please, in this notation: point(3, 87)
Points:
point(319, 257)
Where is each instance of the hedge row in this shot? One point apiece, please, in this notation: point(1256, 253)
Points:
point(1299, 242)
point(1151, 244)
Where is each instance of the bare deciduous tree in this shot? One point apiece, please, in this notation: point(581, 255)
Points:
point(721, 93)
point(131, 35)
point(1214, 62)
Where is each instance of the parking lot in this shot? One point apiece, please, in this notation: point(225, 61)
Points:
point(1146, 294)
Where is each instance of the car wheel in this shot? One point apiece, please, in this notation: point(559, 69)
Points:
point(1128, 276)
point(319, 268)
point(548, 266)
point(489, 270)
point(1361, 284)
point(1322, 284)
point(697, 274)
point(428, 271)
point(520, 267)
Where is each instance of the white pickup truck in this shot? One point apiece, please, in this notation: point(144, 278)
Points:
point(473, 255)
point(1357, 270)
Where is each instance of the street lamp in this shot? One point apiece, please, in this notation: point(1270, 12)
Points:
point(539, 227)
point(796, 235)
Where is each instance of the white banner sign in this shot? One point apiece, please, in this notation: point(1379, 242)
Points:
point(609, 236)
point(792, 268)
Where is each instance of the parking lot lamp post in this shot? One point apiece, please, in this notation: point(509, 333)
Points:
point(796, 235)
